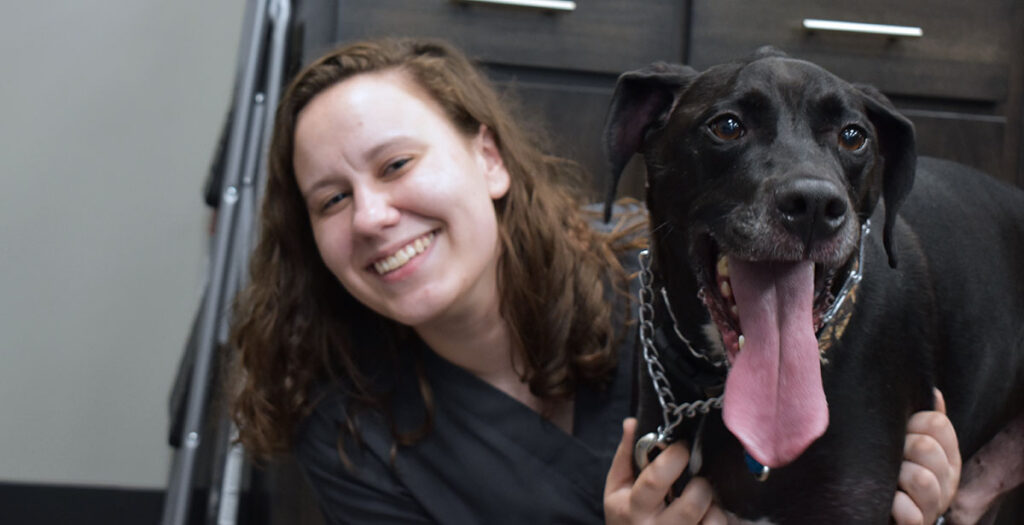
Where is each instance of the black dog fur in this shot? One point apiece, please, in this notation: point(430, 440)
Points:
point(941, 303)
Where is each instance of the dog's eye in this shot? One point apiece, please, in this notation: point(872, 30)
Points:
point(852, 138)
point(726, 127)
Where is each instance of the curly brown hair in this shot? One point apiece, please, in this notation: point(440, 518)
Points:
point(295, 325)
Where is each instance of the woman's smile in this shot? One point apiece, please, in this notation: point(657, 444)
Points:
point(388, 264)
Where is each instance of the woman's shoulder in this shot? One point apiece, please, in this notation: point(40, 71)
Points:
point(327, 424)
point(344, 452)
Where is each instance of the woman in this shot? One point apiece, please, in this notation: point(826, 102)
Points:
point(432, 325)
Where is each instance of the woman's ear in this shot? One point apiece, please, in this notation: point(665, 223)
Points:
point(498, 179)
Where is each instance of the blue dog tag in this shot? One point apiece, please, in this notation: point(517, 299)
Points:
point(759, 471)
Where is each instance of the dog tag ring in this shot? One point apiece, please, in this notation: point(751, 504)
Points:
point(645, 446)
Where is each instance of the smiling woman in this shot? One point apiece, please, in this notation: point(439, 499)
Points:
point(424, 284)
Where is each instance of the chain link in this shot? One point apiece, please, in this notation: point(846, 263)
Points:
point(672, 413)
point(856, 274)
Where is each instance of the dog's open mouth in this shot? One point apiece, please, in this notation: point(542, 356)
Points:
point(768, 311)
point(720, 300)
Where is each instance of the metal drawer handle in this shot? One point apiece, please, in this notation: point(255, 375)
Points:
point(548, 5)
point(858, 27)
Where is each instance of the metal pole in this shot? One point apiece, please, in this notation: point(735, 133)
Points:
point(179, 490)
point(253, 186)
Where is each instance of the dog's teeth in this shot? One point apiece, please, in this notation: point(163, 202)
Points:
point(725, 289)
point(735, 310)
point(742, 340)
point(723, 267)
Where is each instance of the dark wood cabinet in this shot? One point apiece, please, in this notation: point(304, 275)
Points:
point(606, 36)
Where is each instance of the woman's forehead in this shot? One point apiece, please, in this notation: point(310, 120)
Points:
point(362, 117)
point(385, 98)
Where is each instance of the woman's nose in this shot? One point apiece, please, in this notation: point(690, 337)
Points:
point(373, 211)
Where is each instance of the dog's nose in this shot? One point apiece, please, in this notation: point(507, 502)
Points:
point(812, 209)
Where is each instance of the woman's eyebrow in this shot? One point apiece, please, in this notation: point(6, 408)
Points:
point(320, 183)
point(390, 142)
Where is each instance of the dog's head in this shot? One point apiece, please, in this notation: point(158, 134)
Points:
point(759, 175)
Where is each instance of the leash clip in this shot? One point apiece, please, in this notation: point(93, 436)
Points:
point(652, 442)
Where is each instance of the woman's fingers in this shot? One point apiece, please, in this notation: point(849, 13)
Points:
point(643, 500)
point(905, 511)
point(930, 472)
point(620, 475)
point(715, 516)
point(655, 480)
point(926, 452)
point(940, 401)
point(619, 481)
point(691, 506)
point(923, 488)
point(937, 425)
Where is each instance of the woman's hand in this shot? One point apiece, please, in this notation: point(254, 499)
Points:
point(930, 472)
point(642, 500)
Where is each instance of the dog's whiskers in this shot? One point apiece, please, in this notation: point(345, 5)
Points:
point(664, 224)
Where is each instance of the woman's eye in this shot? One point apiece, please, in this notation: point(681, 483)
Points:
point(396, 165)
point(852, 138)
point(335, 199)
point(727, 127)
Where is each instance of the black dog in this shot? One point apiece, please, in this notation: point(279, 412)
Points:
point(761, 174)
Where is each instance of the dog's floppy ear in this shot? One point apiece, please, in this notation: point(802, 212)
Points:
point(642, 101)
point(899, 156)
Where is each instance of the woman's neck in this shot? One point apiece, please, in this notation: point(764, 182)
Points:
point(481, 345)
point(479, 340)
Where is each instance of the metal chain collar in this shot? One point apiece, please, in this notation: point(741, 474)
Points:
point(672, 413)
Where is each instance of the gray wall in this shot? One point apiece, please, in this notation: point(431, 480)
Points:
point(109, 113)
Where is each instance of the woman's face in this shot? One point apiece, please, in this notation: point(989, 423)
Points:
point(401, 203)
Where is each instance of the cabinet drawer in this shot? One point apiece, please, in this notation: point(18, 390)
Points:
point(963, 53)
point(975, 140)
point(607, 36)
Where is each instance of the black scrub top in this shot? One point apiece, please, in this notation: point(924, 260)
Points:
point(488, 459)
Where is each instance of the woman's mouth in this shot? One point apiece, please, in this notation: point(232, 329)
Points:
point(403, 255)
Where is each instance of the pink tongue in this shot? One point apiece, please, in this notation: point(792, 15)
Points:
point(774, 402)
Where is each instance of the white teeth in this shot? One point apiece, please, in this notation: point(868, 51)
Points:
point(726, 289)
point(743, 341)
point(735, 310)
point(403, 255)
point(723, 267)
